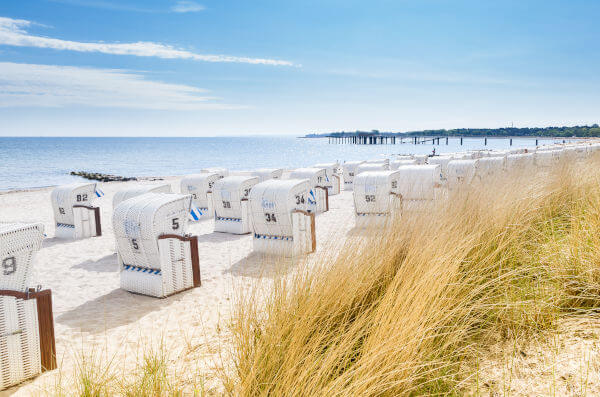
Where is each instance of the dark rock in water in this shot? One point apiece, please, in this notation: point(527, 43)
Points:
point(95, 176)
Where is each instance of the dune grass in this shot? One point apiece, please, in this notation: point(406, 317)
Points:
point(409, 310)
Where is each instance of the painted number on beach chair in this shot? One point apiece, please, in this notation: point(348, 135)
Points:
point(61, 210)
point(270, 217)
point(82, 197)
point(394, 184)
point(246, 192)
point(175, 223)
point(226, 204)
point(194, 196)
point(370, 198)
point(300, 200)
point(9, 265)
point(134, 244)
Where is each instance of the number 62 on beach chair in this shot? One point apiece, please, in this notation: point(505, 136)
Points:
point(156, 256)
point(27, 345)
point(74, 215)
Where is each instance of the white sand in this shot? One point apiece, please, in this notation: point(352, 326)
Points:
point(92, 314)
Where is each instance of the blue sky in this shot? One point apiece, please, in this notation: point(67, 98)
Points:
point(211, 68)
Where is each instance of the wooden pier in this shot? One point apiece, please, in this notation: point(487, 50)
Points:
point(414, 140)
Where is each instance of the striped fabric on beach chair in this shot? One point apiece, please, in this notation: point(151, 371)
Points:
point(281, 224)
point(75, 216)
point(27, 345)
point(156, 256)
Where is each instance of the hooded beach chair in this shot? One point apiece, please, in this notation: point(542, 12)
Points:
point(280, 222)
point(74, 215)
point(348, 172)
point(265, 174)
point(230, 201)
point(318, 196)
point(156, 256)
point(332, 177)
point(27, 345)
point(461, 173)
point(419, 185)
point(200, 187)
point(376, 198)
point(133, 191)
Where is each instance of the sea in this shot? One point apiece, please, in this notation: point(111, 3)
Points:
point(32, 162)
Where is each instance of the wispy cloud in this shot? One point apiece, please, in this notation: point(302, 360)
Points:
point(187, 6)
point(13, 32)
point(59, 86)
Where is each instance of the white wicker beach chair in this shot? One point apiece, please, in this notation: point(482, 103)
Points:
point(421, 158)
point(74, 215)
point(395, 164)
point(230, 201)
point(332, 177)
point(156, 256)
point(133, 191)
point(318, 196)
point(281, 224)
point(200, 187)
point(349, 170)
point(376, 200)
point(27, 345)
point(265, 174)
point(419, 186)
point(520, 162)
point(490, 166)
point(223, 172)
point(443, 162)
point(379, 161)
point(547, 158)
point(461, 172)
point(371, 167)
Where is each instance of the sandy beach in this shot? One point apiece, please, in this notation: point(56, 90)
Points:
point(93, 315)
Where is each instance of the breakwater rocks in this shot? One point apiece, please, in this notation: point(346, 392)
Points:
point(95, 176)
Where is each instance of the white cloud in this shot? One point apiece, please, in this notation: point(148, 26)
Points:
point(12, 32)
point(60, 86)
point(187, 6)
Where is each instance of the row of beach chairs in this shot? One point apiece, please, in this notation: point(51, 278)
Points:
point(158, 257)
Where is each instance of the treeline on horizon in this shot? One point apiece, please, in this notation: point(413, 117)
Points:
point(576, 131)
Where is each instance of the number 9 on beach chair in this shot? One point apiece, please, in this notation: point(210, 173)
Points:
point(200, 187)
point(74, 215)
point(376, 200)
point(318, 196)
point(156, 256)
point(281, 224)
point(27, 345)
point(230, 200)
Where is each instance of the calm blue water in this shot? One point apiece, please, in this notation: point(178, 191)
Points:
point(37, 162)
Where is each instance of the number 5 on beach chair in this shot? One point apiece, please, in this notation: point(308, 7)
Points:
point(74, 214)
point(156, 256)
point(27, 345)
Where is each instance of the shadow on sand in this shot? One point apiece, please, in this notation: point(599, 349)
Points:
point(260, 265)
point(107, 264)
point(113, 310)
